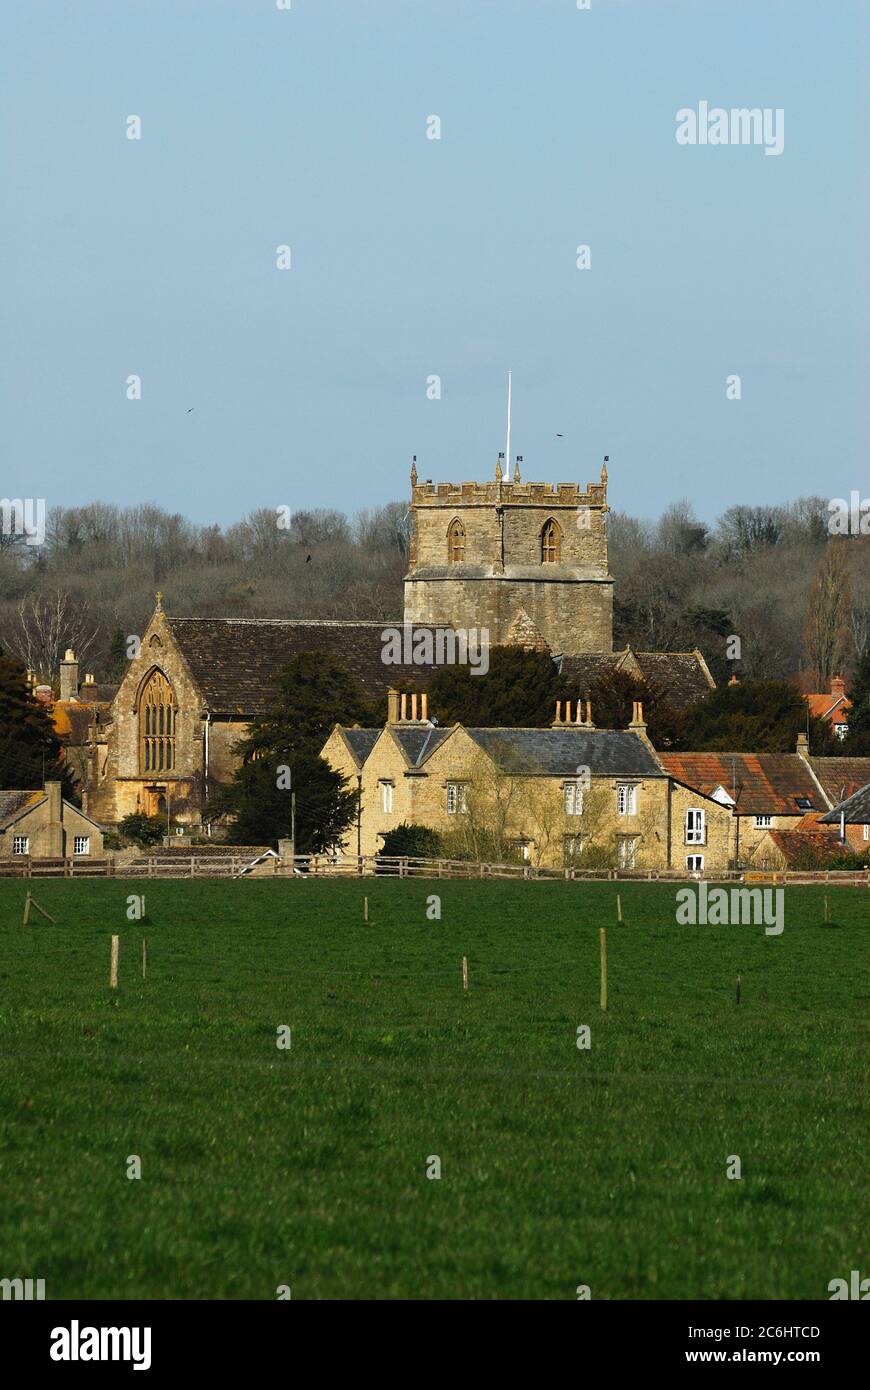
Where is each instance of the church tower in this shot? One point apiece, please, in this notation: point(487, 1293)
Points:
point(482, 554)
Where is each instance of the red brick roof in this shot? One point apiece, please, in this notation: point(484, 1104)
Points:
point(762, 784)
point(841, 777)
point(796, 845)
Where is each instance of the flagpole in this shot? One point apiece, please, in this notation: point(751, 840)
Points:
point(507, 456)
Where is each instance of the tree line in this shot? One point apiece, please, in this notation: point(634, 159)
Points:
point(796, 599)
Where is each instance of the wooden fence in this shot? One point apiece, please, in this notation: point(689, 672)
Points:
point(174, 864)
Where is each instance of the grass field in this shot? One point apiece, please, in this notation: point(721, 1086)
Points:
point(307, 1166)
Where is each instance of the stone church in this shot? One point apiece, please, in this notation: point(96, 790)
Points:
point(526, 561)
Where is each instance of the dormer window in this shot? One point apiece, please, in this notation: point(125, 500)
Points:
point(551, 543)
point(455, 542)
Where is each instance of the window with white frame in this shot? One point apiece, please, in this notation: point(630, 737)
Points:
point(386, 795)
point(695, 826)
point(455, 798)
point(573, 799)
point(763, 822)
point(572, 849)
point(81, 844)
point(695, 863)
point(626, 851)
point(867, 832)
point(626, 799)
point(21, 844)
point(841, 730)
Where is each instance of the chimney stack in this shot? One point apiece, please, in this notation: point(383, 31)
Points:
point(392, 706)
point(637, 716)
point(69, 676)
point(803, 746)
point(838, 686)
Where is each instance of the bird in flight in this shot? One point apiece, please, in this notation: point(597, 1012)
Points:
point(560, 436)
point(190, 412)
point(307, 559)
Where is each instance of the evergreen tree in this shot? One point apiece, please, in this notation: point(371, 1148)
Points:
point(280, 756)
point(518, 690)
point(857, 741)
point(612, 697)
point(753, 717)
point(259, 797)
point(30, 751)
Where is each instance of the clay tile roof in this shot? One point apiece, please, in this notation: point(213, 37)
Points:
point(234, 661)
point(840, 777)
point(795, 844)
point(764, 784)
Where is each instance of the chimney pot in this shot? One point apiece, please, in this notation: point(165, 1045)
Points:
point(403, 707)
point(414, 706)
point(69, 676)
point(392, 706)
point(424, 707)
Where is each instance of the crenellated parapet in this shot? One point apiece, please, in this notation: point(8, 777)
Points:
point(501, 493)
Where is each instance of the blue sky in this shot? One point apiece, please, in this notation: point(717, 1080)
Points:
point(413, 257)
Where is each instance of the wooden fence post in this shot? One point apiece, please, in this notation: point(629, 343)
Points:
point(602, 940)
point(113, 967)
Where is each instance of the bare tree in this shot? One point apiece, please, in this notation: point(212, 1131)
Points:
point(827, 638)
point(45, 625)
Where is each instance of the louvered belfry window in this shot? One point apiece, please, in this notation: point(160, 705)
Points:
point(157, 725)
point(550, 543)
point(455, 542)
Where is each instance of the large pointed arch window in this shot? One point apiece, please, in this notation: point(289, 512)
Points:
point(456, 542)
point(551, 543)
point(156, 725)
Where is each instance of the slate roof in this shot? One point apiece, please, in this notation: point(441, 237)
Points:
point(559, 752)
point(419, 743)
point(682, 675)
point(840, 777)
point(100, 693)
point(530, 752)
point(855, 808)
point(361, 741)
point(767, 784)
point(234, 661)
point(12, 803)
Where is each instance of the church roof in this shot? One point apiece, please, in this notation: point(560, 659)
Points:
point(682, 676)
point(234, 661)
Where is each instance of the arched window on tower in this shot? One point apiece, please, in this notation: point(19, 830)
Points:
point(156, 725)
point(456, 542)
point(551, 543)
